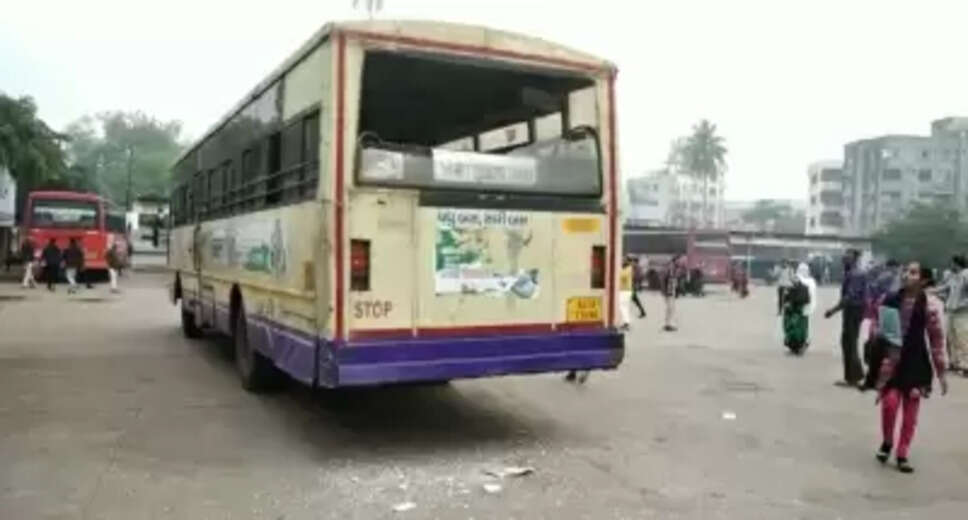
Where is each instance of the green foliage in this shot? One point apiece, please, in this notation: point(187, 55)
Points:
point(105, 148)
point(28, 147)
point(776, 216)
point(929, 234)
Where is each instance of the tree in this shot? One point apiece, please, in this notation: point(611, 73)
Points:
point(772, 215)
point(929, 234)
point(28, 147)
point(704, 156)
point(124, 154)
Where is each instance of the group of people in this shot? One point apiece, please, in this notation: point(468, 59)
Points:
point(905, 350)
point(52, 259)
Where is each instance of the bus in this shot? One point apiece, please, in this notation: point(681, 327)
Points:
point(706, 249)
point(62, 215)
point(406, 202)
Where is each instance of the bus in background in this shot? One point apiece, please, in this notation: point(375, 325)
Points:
point(63, 215)
point(705, 250)
point(407, 201)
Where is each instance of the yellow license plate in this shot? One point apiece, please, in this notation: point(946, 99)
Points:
point(584, 308)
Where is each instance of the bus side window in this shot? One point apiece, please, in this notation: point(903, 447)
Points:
point(274, 175)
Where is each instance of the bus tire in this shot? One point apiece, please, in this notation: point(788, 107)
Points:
point(256, 373)
point(189, 328)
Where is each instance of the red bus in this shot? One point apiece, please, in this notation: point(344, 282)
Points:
point(705, 249)
point(63, 215)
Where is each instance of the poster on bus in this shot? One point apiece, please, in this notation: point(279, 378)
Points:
point(479, 252)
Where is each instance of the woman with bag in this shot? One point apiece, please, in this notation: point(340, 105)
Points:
point(910, 345)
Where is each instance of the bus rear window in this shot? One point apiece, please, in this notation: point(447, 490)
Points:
point(66, 214)
point(464, 124)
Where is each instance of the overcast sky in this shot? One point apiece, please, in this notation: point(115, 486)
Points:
point(787, 83)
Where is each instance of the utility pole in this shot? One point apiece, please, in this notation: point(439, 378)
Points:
point(127, 194)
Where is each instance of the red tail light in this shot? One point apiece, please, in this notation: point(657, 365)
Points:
point(359, 265)
point(598, 267)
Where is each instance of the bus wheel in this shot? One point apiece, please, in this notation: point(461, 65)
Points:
point(256, 372)
point(189, 328)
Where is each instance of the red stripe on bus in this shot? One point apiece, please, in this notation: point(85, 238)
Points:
point(585, 325)
point(338, 195)
point(364, 334)
point(612, 199)
point(475, 49)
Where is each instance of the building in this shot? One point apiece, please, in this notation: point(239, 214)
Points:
point(664, 198)
point(8, 201)
point(825, 203)
point(885, 175)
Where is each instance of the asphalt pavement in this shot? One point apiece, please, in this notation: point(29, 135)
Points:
point(106, 411)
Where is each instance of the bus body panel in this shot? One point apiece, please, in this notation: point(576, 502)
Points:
point(95, 240)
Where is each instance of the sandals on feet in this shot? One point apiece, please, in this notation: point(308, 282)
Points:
point(904, 466)
point(883, 453)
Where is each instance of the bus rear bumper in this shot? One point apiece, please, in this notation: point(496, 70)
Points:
point(439, 359)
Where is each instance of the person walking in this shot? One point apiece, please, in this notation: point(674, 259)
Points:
point(73, 263)
point(670, 291)
point(114, 265)
point(636, 284)
point(800, 302)
point(954, 293)
point(784, 282)
point(625, 292)
point(910, 331)
point(52, 258)
point(853, 298)
point(27, 253)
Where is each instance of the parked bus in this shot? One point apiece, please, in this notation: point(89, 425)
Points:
point(706, 250)
point(407, 201)
point(63, 215)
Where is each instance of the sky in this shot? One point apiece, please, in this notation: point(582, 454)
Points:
point(786, 83)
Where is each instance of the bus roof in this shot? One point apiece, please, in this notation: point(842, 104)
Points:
point(452, 37)
point(64, 195)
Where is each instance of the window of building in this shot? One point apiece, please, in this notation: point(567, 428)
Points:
point(892, 174)
point(925, 154)
point(924, 175)
point(831, 175)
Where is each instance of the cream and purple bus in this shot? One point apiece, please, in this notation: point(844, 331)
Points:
point(407, 202)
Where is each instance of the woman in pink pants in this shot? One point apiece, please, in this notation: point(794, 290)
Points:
point(910, 332)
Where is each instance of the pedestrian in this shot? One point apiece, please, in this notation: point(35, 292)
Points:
point(625, 292)
point(52, 258)
point(155, 230)
point(853, 299)
point(636, 285)
point(671, 279)
point(27, 253)
point(909, 328)
point(114, 265)
point(784, 282)
point(955, 296)
point(798, 305)
point(74, 264)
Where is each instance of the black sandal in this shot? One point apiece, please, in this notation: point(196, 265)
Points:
point(883, 453)
point(904, 466)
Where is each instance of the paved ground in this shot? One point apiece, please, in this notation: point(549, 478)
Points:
point(107, 412)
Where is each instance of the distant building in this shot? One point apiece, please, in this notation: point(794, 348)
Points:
point(663, 198)
point(883, 176)
point(736, 213)
point(825, 202)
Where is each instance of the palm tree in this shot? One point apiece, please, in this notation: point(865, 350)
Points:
point(704, 157)
point(372, 6)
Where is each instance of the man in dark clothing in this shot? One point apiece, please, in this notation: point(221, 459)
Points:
point(853, 298)
point(636, 285)
point(51, 256)
point(74, 262)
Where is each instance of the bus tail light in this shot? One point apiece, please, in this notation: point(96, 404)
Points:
point(359, 265)
point(598, 267)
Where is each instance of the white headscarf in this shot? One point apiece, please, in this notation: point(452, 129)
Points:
point(803, 274)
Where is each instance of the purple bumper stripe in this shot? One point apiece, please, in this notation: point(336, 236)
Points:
point(430, 360)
